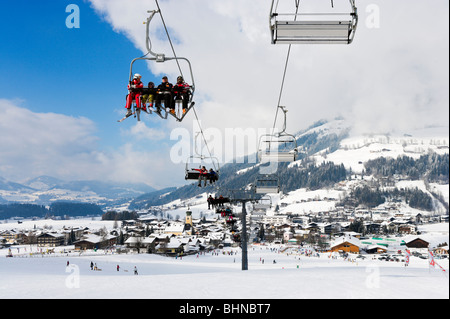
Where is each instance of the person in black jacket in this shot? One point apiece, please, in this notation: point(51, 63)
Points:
point(164, 93)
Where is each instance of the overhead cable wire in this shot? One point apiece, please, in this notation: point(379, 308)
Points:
point(181, 73)
point(297, 4)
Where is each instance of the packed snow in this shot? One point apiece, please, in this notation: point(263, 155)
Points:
point(296, 273)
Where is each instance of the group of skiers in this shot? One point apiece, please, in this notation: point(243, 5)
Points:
point(165, 92)
point(94, 267)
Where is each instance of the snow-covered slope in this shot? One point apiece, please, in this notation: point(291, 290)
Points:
point(355, 150)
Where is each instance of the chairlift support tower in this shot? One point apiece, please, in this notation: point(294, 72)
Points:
point(244, 197)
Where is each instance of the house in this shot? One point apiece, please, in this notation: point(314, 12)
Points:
point(95, 242)
point(406, 229)
point(326, 228)
point(173, 248)
point(50, 239)
point(441, 250)
point(275, 219)
point(134, 242)
point(176, 229)
point(287, 236)
point(416, 242)
point(12, 236)
point(376, 249)
point(346, 244)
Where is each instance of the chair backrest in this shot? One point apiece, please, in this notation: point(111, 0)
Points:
point(329, 32)
point(267, 189)
point(280, 157)
point(302, 27)
point(268, 184)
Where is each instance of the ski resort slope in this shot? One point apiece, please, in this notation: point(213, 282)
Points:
point(213, 276)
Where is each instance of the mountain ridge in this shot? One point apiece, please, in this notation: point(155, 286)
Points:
point(331, 154)
point(45, 189)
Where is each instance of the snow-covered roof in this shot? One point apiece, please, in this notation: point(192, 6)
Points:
point(351, 240)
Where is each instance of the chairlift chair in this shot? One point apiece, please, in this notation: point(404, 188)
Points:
point(264, 203)
point(194, 174)
point(267, 184)
point(161, 58)
point(286, 146)
point(281, 154)
point(313, 28)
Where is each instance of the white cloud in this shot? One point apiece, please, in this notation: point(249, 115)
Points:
point(392, 77)
point(34, 144)
point(141, 131)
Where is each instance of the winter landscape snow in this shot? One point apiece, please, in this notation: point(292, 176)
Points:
point(217, 274)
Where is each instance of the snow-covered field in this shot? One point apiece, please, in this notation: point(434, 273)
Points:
point(218, 276)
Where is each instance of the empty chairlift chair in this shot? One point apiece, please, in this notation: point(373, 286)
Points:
point(267, 184)
point(285, 151)
point(313, 28)
point(280, 147)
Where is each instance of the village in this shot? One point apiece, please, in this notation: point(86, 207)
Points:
point(341, 231)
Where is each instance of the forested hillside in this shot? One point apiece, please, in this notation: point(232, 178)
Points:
point(58, 209)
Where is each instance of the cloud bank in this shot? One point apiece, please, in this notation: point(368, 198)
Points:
point(394, 77)
point(34, 144)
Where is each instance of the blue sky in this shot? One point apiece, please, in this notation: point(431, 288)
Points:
point(76, 72)
point(62, 90)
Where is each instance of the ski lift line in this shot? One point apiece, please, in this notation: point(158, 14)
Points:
point(297, 4)
point(313, 14)
point(168, 36)
point(181, 73)
point(203, 135)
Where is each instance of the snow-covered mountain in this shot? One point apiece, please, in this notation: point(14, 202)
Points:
point(46, 189)
point(311, 184)
point(329, 148)
point(11, 186)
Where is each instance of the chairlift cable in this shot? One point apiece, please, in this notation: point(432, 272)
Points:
point(181, 73)
point(168, 36)
point(297, 4)
point(204, 138)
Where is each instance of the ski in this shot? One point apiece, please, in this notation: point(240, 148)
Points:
point(126, 116)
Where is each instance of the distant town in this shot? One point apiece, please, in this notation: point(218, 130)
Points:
point(358, 231)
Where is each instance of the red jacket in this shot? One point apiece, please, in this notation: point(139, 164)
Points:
point(202, 172)
point(181, 88)
point(137, 85)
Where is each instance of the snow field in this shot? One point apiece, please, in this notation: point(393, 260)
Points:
point(219, 277)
